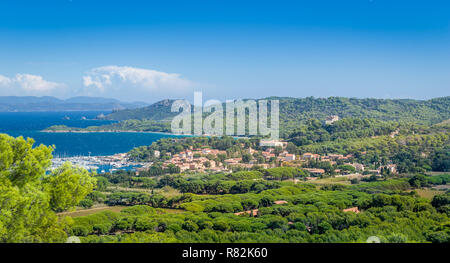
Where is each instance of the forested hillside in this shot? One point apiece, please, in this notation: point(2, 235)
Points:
point(298, 111)
point(251, 207)
point(157, 111)
point(422, 111)
point(122, 126)
point(294, 111)
point(302, 109)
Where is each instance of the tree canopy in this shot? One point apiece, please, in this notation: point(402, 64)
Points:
point(30, 196)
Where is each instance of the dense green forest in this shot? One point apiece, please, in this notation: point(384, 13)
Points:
point(279, 203)
point(260, 205)
point(295, 112)
point(204, 210)
point(158, 111)
point(412, 147)
point(123, 126)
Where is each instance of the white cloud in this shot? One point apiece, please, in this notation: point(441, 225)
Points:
point(123, 83)
point(35, 83)
point(4, 81)
point(27, 84)
point(131, 83)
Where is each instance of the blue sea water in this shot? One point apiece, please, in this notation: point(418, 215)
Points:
point(30, 124)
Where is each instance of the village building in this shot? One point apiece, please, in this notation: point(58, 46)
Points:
point(253, 212)
point(206, 151)
point(233, 161)
point(359, 167)
point(311, 156)
point(331, 119)
point(272, 143)
point(335, 156)
point(289, 157)
point(267, 155)
point(352, 209)
point(391, 167)
point(314, 171)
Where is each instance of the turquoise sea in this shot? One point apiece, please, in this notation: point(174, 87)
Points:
point(30, 124)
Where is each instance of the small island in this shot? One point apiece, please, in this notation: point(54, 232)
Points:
point(123, 126)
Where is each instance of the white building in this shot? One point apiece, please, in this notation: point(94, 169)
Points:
point(331, 119)
point(289, 157)
point(272, 143)
point(358, 166)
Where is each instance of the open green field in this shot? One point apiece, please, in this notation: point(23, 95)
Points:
point(172, 210)
point(85, 212)
point(331, 180)
point(428, 193)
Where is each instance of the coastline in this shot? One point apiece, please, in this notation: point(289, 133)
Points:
point(110, 131)
point(132, 131)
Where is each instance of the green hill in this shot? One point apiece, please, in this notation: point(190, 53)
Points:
point(301, 109)
point(297, 111)
point(157, 112)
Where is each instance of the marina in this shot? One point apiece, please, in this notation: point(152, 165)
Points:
point(99, 164)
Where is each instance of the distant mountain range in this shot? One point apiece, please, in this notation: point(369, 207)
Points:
point(30, 103)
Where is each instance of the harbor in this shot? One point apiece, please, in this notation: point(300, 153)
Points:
point(99, 164)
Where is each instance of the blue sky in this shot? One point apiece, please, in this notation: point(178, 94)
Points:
point(136, 50)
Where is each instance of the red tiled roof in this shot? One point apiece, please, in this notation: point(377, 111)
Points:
point(352, 209)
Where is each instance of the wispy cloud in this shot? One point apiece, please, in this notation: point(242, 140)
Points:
point(131, 83)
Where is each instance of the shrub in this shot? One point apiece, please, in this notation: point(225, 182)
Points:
point(86, 203)
point(144, 224)
point(80, 231)
point(102, 228)
point(190, 226)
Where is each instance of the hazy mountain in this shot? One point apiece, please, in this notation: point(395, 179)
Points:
point(30, 103)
